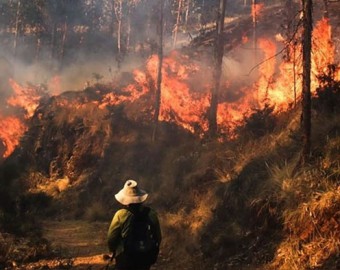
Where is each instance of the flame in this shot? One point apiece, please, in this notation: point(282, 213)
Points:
point(179, 102)
point(24, 97)
point(256, 10)
point(185, 101)
point(129, 93)
point(11, 130)
point(185, 104)
point(13, 127)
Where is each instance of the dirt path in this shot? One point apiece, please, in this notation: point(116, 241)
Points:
point(77, 245)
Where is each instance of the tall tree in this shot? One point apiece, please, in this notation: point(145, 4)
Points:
point(16, 33)
point(307, 6)
point(326, 11)
point(254, 16)
point(159, 73)
point(218, 57)
point(175, 30)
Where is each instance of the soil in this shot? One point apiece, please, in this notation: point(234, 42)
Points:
point(75, 245)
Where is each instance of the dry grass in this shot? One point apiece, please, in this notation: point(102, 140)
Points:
point(312, 233)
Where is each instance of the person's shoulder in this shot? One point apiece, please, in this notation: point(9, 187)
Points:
point(152, 212)
point(122, 213)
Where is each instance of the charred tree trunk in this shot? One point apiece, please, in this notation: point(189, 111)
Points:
point(63, 42)
point(53, 41)
point(306, 77)
point(175, 31)
point(326, 11)
point(294, 73)
point(219, 51)
point(254, 15)
point(16, 33)
point(159, 73)
point(37, 50)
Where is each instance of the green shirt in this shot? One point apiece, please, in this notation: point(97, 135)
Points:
point(118, 226)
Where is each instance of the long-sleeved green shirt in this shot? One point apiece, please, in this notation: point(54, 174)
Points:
point(119, 225)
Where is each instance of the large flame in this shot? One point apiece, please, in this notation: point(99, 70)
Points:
point(11, 130)
point(24, 97)
point(13, 127)
point(278, 89)
point(185, 101)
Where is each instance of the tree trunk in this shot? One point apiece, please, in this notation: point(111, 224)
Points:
point(219, 51)
point(53, 38)
point(187, 11)
point(254, 15)
point(128, 30)
point(118, 11)
point(306, 79)
point(175, 31)
point(63, 41)
point(16, 33)
point(159, 73)
point(294, 73)
point(326, 11)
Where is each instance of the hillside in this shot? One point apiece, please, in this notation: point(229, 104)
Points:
point(241, 201)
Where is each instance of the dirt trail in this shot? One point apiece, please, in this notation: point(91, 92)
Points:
point(77, 245)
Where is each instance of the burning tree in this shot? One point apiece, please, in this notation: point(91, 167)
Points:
point(306, 76)
point(218, 56)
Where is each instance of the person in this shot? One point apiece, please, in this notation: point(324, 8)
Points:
point(128, 224)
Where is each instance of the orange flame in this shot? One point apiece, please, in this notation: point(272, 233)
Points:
point(182, 100)
point(12, 127)
point(277, 90)
point(256, 10)
point(11, 130)
point(179, 103)
point(26, 98)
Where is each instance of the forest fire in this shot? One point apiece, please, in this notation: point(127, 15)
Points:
point(185, 103)
point(26, 98)
point(256, 10)
point(13, 127)
point(222, 111)
point(11, 130)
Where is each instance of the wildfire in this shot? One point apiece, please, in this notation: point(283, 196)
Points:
point(278, 85)
point(179, 103)
point(278, 90)
point(13, 127)
point(11, 130)
point(256, 10)
point(24, 97)
point(183, 100)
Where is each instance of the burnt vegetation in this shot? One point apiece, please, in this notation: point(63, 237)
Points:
point(239, 198)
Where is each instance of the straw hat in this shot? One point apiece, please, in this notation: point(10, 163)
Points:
point(131, 193)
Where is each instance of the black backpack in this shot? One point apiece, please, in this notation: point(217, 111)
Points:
point(140, 244)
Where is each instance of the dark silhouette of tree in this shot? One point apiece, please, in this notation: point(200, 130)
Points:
point(306, 77)
point(159, 72)
point(218, 57)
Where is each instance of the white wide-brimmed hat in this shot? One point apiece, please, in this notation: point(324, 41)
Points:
point(131, 193)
